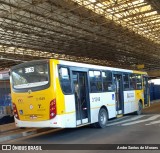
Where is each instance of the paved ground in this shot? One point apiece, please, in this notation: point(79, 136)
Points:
point(131, 129)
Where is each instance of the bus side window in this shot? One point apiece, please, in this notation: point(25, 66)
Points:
point(95, 81)
point(107, 81)
point(139, 81)
point(65, 80)
point(132, 79)
point(126, 81)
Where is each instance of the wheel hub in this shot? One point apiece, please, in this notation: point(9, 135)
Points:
point(103, 118)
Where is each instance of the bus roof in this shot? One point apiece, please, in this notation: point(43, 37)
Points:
point(77, 64)
point(68, 63)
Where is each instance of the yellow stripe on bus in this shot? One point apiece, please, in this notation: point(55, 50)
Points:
point(105, 105)
point(110, 104)
point(69, 112)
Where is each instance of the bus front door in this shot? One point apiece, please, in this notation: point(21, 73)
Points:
point(146, 91)
point(118, 93)
point(81, 97)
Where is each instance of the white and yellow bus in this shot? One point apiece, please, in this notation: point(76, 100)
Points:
point(58, 93)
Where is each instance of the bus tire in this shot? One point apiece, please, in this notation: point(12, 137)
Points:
point(102, 119)
point(140, 107)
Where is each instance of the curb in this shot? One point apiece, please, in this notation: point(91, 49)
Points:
point(16, 135)
point(7, 127)
point(22, 134)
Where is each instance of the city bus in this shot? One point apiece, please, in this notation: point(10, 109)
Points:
point(64, 94)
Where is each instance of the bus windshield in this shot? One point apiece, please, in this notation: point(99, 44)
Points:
point(30, 76)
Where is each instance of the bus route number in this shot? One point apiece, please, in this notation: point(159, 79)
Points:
point(96, 99)
point(29, 69)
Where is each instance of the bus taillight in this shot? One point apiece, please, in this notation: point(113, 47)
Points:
point(15, 111)
point(53, 110)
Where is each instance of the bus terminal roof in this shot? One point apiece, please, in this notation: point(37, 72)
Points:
point(119, 33)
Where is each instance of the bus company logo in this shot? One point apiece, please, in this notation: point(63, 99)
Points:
point(29, 91)
point(6, 147)
point(20, 100)
point(39, 105)
point(31, 106)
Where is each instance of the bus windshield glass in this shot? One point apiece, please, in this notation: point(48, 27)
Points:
point(30, 76)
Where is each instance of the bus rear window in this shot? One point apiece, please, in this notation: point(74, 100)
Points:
point(30, 76)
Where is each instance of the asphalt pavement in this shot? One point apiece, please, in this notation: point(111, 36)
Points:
point(130, 129)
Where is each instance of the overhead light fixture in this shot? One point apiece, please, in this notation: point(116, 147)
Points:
point(92, 1)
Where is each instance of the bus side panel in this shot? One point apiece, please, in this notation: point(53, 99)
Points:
point(65, 104)
point(95, 104)
point(139, 96)
point(60, 102)
point(70, 113)
point(129, 101)
point(97, 100)
point(57, 87)
point(109, 101)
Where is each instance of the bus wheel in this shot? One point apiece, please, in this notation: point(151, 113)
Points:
point(140, 107)
point(102, 118)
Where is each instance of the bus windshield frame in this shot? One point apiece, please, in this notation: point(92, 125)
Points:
point(32, 76)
